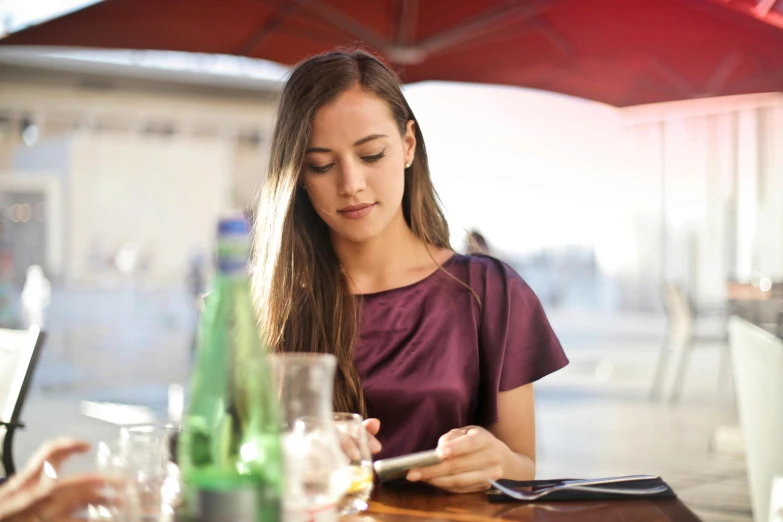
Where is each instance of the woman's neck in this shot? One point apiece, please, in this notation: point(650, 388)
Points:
point(395, 258)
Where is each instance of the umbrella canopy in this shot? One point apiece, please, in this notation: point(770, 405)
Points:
point(621, 52)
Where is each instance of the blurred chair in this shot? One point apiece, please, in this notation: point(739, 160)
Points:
point(19, 352)
point(682, 336)
point(757, 357)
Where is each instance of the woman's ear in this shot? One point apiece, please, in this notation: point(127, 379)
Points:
point(409, 142)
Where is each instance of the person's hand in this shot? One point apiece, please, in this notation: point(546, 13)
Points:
point(55, 452)
point(26, 498)
point(53, 501)
point(472, 457)
point(372, 426)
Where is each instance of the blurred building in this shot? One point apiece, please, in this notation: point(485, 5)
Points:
point(711, 170)
point(598, 206)
point(113, 165)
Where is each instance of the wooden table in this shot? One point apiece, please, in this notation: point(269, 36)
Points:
point(419, 505)
point(762, 308)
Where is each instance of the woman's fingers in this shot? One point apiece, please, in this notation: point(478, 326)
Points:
point(373, 426)
point(349, 446)
point(469, 482)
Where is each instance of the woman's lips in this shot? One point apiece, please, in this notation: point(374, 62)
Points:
point(356, 211)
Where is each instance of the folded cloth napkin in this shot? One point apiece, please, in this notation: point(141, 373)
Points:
point(626, 489)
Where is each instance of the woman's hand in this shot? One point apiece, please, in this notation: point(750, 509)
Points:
point(472, 457)
point(26, 497)
point(372, 426)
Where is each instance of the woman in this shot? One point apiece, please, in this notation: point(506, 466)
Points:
point(353, 258)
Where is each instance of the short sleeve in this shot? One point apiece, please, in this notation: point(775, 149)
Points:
point(517, 345)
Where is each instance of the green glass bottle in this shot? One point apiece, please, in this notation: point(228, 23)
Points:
point(229, 448)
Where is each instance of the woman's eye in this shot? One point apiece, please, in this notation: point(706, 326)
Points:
point(376, 157)
point(320, 168)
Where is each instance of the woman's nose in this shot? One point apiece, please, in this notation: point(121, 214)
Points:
point(351, 179)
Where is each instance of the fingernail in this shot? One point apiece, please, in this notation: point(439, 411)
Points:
point(413, 476)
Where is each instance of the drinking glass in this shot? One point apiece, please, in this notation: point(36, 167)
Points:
point(353, 441)
point(146, 449)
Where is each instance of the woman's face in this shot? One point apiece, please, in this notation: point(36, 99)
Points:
point(354, 167)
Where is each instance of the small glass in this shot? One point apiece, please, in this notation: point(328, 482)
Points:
point(112, 465)
point(106, 461)
point(147, 449)
point(353, 441)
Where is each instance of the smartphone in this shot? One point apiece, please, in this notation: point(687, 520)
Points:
point(397, 467)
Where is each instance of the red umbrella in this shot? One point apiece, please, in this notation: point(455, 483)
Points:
point(622, 52)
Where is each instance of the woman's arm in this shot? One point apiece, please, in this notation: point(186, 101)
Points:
point(472, 456)
point(516, 429)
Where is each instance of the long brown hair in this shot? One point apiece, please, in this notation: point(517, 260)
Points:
point(304, 301)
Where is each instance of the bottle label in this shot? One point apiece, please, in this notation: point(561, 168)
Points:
point(238, 505)
point(321, 514)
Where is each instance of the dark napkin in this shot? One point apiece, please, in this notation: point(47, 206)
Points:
point(572, 494)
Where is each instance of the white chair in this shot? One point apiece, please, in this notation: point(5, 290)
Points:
point(19, 351)
point(757, 358)
point(682, 336)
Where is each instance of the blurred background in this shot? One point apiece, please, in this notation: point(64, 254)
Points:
point(640, 197)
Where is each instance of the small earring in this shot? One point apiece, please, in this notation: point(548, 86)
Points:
point(408, 165)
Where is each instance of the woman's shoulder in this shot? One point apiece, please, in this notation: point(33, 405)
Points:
point(483, 268)
point(493, 281)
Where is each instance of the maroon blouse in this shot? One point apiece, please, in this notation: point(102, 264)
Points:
point(432, 358)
